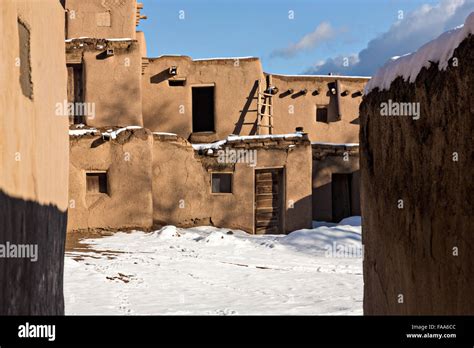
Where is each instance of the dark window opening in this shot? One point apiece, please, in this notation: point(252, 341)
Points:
point(341, 187)
point(322, 114)
point(176, 83)
point(75, 91)
point(222, 183)
point(96, 182)
point(203, 109)
point(24, 60)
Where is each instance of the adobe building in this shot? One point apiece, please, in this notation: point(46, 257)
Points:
point(139, 179)
point(417, 189)
point(33, 158)
point(203, 101)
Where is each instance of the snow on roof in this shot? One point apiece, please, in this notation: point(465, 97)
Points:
point(223, 58)
point(80, 132)
point(212, 146)
point(234, 138)
point(325, 76)
point(264, 136)
point(113, 134)
point(409, 66)
point(164, 133)
point(86, 37)
point(335, 144)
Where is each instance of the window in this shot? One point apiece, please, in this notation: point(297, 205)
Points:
point(203, 109)
point(23, 59)
point(221, 183)
point(75, 91)
point(96, 182)
point(177, 83)
point(322, 113)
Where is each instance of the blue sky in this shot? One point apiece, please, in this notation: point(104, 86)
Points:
point(322, 35)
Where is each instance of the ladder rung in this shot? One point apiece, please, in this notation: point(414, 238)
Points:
point(265, 94)
point(265, 115)
point(266, 126)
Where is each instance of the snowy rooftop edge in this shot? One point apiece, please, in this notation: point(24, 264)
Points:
point(325, 76)
point(235, 138)
point(408, 66)
point(334, 144)
point(92, 38)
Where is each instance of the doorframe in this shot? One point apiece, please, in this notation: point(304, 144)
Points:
point(284, 196)
point(202, 85)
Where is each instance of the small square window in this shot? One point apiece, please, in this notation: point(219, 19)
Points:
point(221, 183)
point(177, 83)
point(322, 113)
point(96, 182)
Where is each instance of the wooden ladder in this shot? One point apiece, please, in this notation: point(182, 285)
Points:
point(264, 109)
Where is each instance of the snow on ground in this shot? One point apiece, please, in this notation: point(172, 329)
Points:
point(207, 270)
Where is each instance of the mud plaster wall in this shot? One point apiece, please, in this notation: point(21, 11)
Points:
point(33, 160)
point(112, 84)
point(142, 42)
point(101, 19)
point(169, 109)
point(328, 160)
point(34, 140)
point(127, 161)
point(409, 251)
point(304, 107)
point(182, 187)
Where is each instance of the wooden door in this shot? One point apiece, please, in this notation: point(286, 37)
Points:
point(269, 198)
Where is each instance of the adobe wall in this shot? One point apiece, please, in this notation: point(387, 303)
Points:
point(422, 251)
point(299, 110)
point(236, 103)
point(101, 19)
point(112, 83)
point(128, 162)
point(328, 160)
point(33, 159)
point(169, 109)
point(182, 185)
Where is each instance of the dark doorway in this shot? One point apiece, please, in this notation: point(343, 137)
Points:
point(203, 109)
point(75, 91)
point(322, 114)
point(341, 196)
point(269, 198)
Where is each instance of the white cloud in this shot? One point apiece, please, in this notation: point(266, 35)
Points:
point(323, 32)
point(407, 35)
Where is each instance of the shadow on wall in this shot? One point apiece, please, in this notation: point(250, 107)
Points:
point(160, 77)
point(128, 201)
point(339, 198)
point(246, 109)
point(32, 285)
point(118, 109)
point(299, 216)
